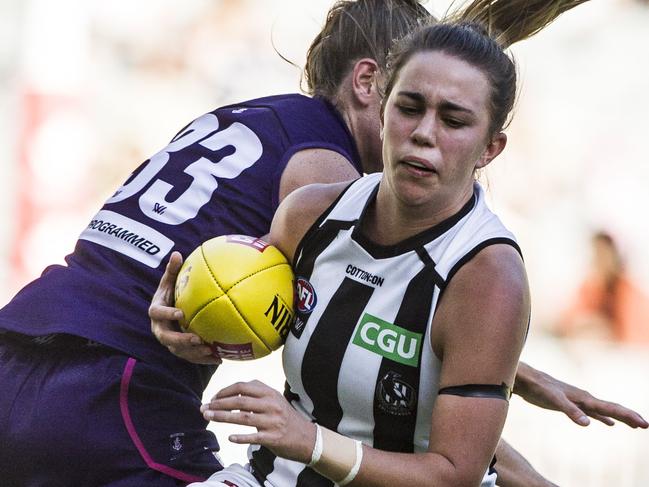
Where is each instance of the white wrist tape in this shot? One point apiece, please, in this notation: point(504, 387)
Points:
point(335, 456)
point(357, 465)
point(317, 448)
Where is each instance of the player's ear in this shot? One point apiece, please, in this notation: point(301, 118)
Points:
point(364, 81)
point(493, 149)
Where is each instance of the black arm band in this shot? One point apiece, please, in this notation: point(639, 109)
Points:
point(479, 390)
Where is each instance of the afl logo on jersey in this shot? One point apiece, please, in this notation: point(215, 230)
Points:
point(306, 298)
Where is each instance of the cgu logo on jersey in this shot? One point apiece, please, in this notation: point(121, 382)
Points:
point(305, 296)
point(388, 340)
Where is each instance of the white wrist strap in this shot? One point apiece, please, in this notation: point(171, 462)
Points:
point(336, 456)
point(317, 448)
point(357, 465)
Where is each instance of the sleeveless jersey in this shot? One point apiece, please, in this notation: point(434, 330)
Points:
point(359, 358)
point(219, 175)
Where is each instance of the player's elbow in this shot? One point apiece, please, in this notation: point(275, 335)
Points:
point(450, 473)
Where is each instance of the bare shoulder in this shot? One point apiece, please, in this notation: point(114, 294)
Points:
point(484, 308)
point(311, 166)
point(497, 269)
point(299, 211)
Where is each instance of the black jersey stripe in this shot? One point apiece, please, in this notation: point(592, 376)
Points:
point(428, 261)
point(397, 385)
point(310, 478)
point(261, 462)
point(313, 245)
point(314, 242)
point(327, 347)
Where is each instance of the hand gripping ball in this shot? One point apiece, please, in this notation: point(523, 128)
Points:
point(237, 294)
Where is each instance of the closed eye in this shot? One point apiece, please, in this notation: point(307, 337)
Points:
point(454, 123)
point(408, 109)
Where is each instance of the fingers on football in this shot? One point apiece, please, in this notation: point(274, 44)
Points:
point(168, 280)
point(184, 345)
point(174, 265)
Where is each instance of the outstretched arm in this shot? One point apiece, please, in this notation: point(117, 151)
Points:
point(545, 391)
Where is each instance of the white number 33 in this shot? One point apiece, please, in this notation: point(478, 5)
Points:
point(154, 203)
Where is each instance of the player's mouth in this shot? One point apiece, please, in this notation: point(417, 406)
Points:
point(418, 166)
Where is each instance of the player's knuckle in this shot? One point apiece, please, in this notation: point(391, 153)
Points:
point(247, 417)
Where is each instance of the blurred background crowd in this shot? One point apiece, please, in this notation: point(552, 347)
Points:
point(91, 88)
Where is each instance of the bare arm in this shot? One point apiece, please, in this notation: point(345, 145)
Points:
point(515, 471)
point(545, 391)
point(313, 166)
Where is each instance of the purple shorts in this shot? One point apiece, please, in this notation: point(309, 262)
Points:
point(89, 416)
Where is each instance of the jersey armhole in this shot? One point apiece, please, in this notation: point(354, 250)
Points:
point(469, 255)
point(482, 245)
point(472, 253)
point(316, 224)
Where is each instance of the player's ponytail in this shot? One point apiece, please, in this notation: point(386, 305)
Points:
point(510, 21)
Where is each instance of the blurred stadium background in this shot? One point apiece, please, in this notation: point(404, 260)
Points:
point(92, 88)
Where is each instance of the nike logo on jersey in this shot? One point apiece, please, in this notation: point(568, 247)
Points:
point(388, 340)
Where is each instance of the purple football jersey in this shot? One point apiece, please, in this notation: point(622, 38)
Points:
point(219, 175)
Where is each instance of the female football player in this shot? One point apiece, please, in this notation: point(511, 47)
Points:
point(90, 397)
point(404, 382)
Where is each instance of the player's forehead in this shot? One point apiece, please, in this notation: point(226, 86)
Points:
point(435, 77)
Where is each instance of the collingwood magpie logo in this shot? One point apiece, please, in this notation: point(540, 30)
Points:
point(395, 396)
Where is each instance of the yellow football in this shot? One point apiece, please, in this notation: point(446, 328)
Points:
point(236, 293)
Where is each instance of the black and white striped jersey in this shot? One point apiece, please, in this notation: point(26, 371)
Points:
point(359, 358)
